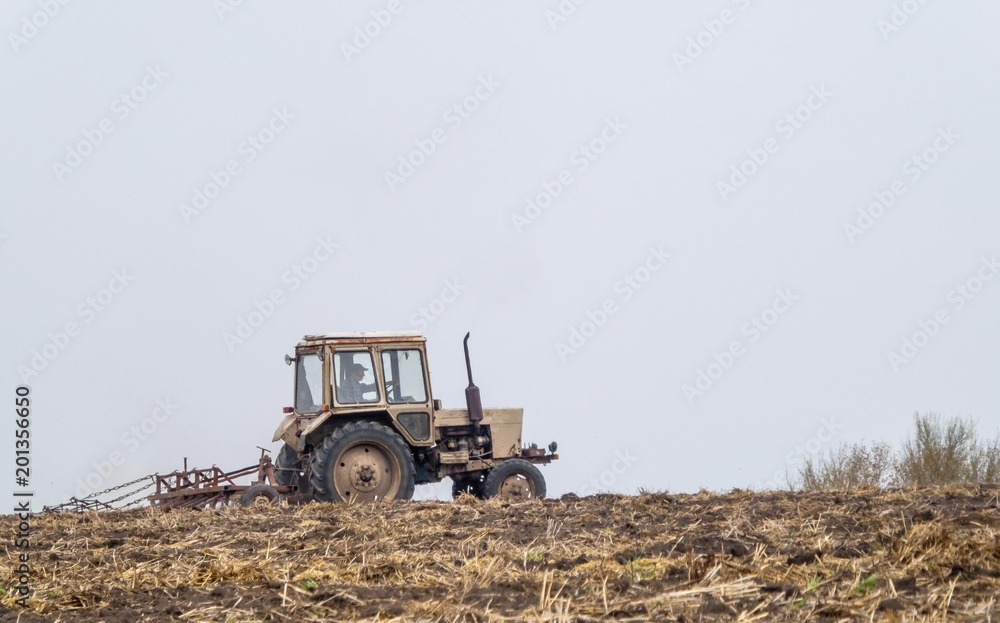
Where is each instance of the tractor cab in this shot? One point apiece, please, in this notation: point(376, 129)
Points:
point(363, 373)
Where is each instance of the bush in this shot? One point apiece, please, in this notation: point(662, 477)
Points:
point(850, 466)
point(938, 452)
point(984, 466)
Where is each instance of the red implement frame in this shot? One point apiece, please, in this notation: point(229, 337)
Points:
point(210, 487)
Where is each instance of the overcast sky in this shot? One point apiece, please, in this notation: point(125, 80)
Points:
point(694, 241)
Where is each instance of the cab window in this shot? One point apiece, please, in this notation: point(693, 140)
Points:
point(309, 382)
point(355, 377)
point(404, 376)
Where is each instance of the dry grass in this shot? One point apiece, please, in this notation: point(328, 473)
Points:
point(931, 554)
point(850, 466)
point(938, 452)
point(942, 451)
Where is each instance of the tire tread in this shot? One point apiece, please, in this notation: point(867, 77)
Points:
point(317, 468)
point(491, 485)
point(286, 478)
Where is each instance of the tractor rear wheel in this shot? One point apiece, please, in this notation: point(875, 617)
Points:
point(514, 479)
point(288, 467)
point(362, 462)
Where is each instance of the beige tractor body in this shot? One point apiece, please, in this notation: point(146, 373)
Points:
point(365, 425)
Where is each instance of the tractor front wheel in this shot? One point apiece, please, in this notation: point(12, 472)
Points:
point(362, 462)
point(514, 479)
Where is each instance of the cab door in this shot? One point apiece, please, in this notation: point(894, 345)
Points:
point(355, 380)
point(407, 391)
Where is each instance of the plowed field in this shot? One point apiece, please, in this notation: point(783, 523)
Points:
point(931, 554)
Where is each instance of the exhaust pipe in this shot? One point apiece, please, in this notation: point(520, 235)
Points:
point(472, 400)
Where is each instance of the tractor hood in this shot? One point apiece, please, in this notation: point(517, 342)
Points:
point(504, 424)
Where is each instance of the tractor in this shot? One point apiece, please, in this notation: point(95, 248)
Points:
point(365, 427)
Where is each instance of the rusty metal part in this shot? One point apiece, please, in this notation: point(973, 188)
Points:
point(374, 337)
point(91, 502)
point(473, 401)
point(534, 454)
point(79, 506)
point(211, 487)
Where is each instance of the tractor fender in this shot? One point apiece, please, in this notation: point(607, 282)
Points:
point(312, 432)
point(288, 424)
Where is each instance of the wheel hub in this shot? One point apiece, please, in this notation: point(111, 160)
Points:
point(516, 487)
point(364, 473)
point(365, 478)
